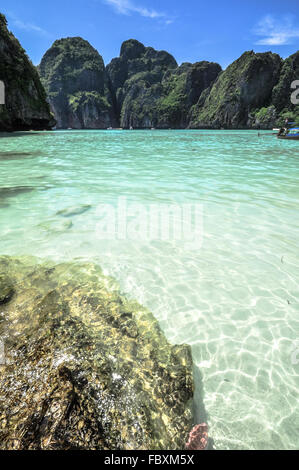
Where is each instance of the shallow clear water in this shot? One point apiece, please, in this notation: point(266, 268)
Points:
point(234, 298)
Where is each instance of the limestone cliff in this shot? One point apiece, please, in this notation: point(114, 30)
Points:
point(150, 90)
point(282, 91)
point(135, 82)
point(242, 89)
point(145, 88)
point(182, 88)
point(26, 104)
point(74, 77)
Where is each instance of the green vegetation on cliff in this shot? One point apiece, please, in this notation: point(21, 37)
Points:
point(246, 85)
point(281, 92)
point(150, 90)
point(182, 89)
point(146, 88)
point(74, 76)
point(26, 104)
point(135, 83)
point(253, 92)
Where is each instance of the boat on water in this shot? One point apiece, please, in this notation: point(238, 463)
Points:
point(290, 134)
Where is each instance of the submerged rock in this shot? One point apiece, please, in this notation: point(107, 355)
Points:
point(11, 192)
point(86, 368)
point(6, 289)
point(7, 156)
point(56, 225)
point(14, 191)
point(76, 210)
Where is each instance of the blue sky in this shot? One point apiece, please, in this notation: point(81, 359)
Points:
point(191, 30)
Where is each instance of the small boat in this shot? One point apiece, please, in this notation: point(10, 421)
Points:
point(292, 134)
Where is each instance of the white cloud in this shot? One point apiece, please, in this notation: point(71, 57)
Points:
point(275, 32)
point(126, 7)
point(30, 27)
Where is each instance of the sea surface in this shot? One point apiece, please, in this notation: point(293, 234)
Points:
point(231, 292)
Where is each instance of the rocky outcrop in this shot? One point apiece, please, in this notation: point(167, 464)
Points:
point(74, 77)
point(182, 89)
point(25, 105)
point(282, 90)
point(242, 89)
point(84, 367)
point(145, 88)
point(135, 82)
point(150, 90)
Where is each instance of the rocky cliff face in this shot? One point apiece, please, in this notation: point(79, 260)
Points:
point(26, 105)
point(182, 88)
point(244, 87)
point(84, 367)
point(145, 88)
point(74, 77)
point(281, 92)
point(135, 82)
point(150, 90)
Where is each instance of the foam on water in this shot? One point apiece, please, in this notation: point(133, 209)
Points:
point(235, 300)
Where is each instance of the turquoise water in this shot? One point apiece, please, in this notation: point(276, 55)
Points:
point(233, 297)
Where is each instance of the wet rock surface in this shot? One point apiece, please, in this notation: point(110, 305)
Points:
point(85, 368)
point(6, 289)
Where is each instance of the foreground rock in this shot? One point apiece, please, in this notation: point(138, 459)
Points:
point(86, 368)
point(25, 106)
point(6, 289)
